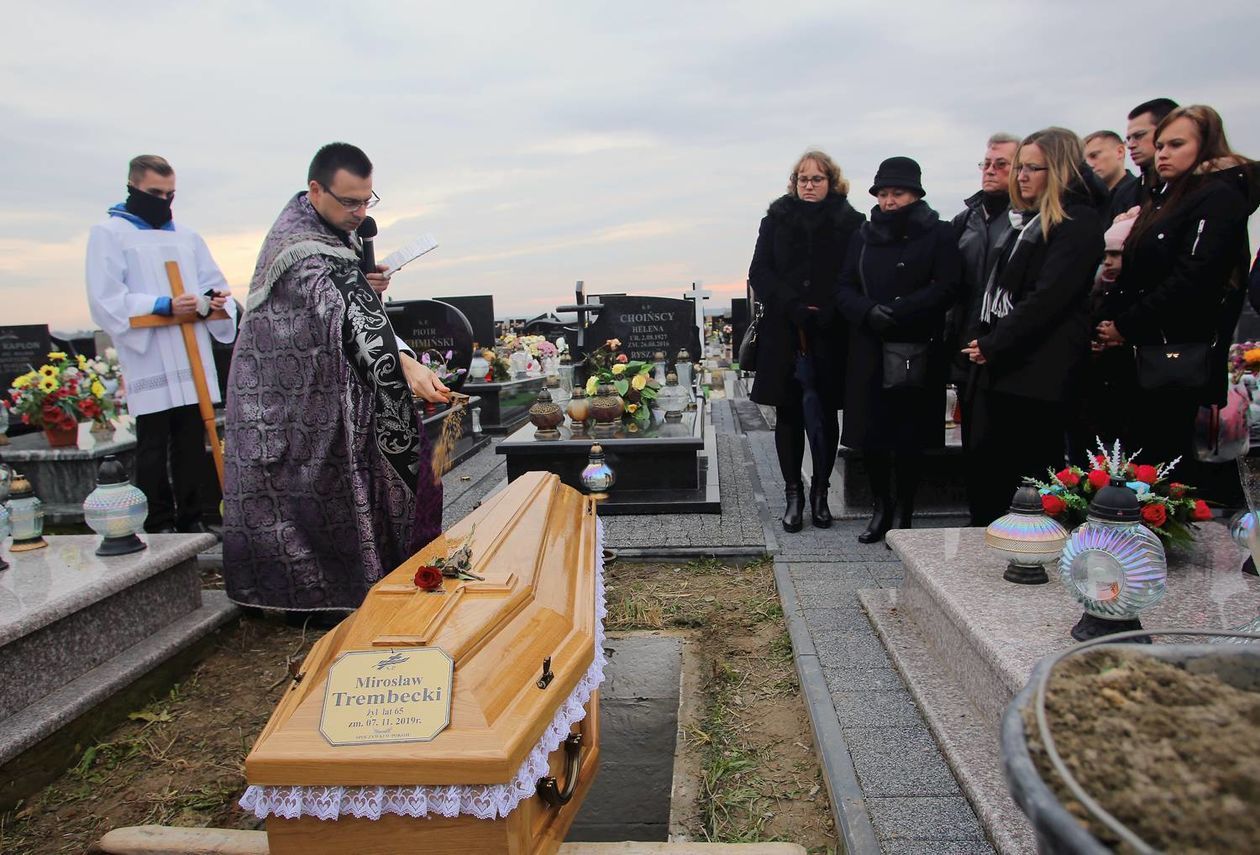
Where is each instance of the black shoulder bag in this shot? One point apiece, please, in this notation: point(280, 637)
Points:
point(905, 363)
point(1171, 367)
point(748, 344)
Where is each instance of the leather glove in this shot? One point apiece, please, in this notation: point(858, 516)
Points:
point(880, 319)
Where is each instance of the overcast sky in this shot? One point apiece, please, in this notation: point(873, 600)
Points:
point(632, 145)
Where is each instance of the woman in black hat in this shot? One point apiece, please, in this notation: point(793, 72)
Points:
point(900, 277)
point(800, 249)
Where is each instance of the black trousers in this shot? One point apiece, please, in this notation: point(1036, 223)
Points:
point(789, 442)
point(1011, 437)
point(171, 448)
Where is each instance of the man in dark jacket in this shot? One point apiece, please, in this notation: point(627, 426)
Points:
point(1104, 152)
point(982, 227)
point(1140, 138)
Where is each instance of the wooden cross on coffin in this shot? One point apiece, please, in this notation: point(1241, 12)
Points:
point(194, 358)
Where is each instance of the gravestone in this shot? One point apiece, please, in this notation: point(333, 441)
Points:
point(431, 325)
point(22, 348)
point(645, 325)
point(479, 309)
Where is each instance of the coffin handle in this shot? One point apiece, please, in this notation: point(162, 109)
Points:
point(547, 787)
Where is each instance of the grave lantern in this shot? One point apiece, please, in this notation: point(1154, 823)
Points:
point(682, 367)
point(1027, 538)
point(116, 510)
point(26, 516)
point(1113, 565)
point(672, 398)
point(546, 416)
point(598, 477)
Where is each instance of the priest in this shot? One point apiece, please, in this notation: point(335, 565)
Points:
point(328, 482)
point(126, 277)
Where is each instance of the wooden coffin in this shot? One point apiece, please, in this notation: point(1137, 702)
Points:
point(535, 543)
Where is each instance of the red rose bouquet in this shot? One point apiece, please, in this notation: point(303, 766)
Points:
point(1168, 508)
point(60, 394)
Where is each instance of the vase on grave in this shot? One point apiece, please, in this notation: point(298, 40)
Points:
point(606, 406)
point(546, 416)
point(59, 436)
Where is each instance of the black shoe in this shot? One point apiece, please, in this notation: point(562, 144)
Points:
point(818, 510)
point(881, 521)
point(793, 515)
point(903, 515)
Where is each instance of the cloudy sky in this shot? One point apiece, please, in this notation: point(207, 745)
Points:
point(632, 145)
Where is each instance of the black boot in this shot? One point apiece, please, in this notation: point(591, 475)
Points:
point(793, 516)
point(818, 510)
point(879, 471)
point(907, 485)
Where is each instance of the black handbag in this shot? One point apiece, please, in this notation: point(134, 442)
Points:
point(1170, 367)
point(905, 364)
point(748, 345)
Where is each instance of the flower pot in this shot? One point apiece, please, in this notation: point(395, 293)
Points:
point(1058, 831)
point(62, 437)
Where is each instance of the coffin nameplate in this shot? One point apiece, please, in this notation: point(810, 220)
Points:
point(379, 696)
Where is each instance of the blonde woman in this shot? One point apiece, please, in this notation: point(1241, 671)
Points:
point(795, 268)
point(1033, 333)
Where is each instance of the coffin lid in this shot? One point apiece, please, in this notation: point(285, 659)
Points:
point(535, 544)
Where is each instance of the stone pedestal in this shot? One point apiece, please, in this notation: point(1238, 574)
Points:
point(63, 477)
point(966, 641)
point(505, 406)
point(661, 468)
point(76, 629)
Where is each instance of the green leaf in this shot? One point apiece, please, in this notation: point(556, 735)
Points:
point(622, 386)
point(648, 393)
point(149, 716)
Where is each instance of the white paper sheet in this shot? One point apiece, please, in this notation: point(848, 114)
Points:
point(409, 252)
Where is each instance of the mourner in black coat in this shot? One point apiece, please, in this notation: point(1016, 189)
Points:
point(800, 249)
point(900, 278)
point(1033, 337)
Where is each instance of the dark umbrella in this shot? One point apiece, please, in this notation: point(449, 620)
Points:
point(811, 402)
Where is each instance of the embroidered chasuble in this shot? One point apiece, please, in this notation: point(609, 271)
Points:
point(327, 471)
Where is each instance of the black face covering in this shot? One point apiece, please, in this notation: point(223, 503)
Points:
point(154, 210)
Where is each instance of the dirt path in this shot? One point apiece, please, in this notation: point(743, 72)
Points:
point(179, 761)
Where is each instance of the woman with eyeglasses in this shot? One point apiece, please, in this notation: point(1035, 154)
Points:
point(900, 277)
point(800, 250)
point(1032, 341)
point(1182, 281)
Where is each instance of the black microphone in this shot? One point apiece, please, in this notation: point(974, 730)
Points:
point(367, 234)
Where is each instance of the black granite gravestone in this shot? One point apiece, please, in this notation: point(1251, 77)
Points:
point(431, 325)
point(22, 348)
point(645, 325)
point(479, 309)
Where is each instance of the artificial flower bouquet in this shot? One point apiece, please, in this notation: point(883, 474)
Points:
point(61, 393)
point(631, 378)
point(1168, 507)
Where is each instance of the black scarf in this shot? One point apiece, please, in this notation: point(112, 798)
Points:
point(154, 210)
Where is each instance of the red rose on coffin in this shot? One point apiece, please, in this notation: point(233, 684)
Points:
point(428, 578)
point(1154, 514)
point(1098, 479)
point(1201, 511)
point(1053, 505)
point(1068, 478)
point(1176, 490)
point(1146, 474)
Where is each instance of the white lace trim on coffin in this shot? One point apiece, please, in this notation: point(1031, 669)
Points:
point(484, 801)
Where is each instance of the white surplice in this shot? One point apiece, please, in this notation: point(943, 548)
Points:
point(126, 273)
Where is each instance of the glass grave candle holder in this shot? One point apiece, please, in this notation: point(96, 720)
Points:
point(598, 477)
point(1113, 565)
point(26, 516)
point(116, 510)
point(672, 398)
point(1028, 538)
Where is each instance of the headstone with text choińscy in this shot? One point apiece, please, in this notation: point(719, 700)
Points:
point(22, 348)
point(431, 326)
point(645, 326)
point(479, 309)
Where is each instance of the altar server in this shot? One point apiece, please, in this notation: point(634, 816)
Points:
point(126, 277)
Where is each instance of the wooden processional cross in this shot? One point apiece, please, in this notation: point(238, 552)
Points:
point(194, 358)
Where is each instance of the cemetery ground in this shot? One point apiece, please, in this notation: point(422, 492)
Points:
point(746, 768)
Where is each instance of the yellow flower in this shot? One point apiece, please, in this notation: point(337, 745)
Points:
point(57, 356)
point(639, 381)
point(1251, 357)
point(48, 371)
point(592, 383)
point(47, 384)
point(98, 389)
point(619, 368)
point(82, 360)
point(24, 381)
point(632, 408)
point(487, 355)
